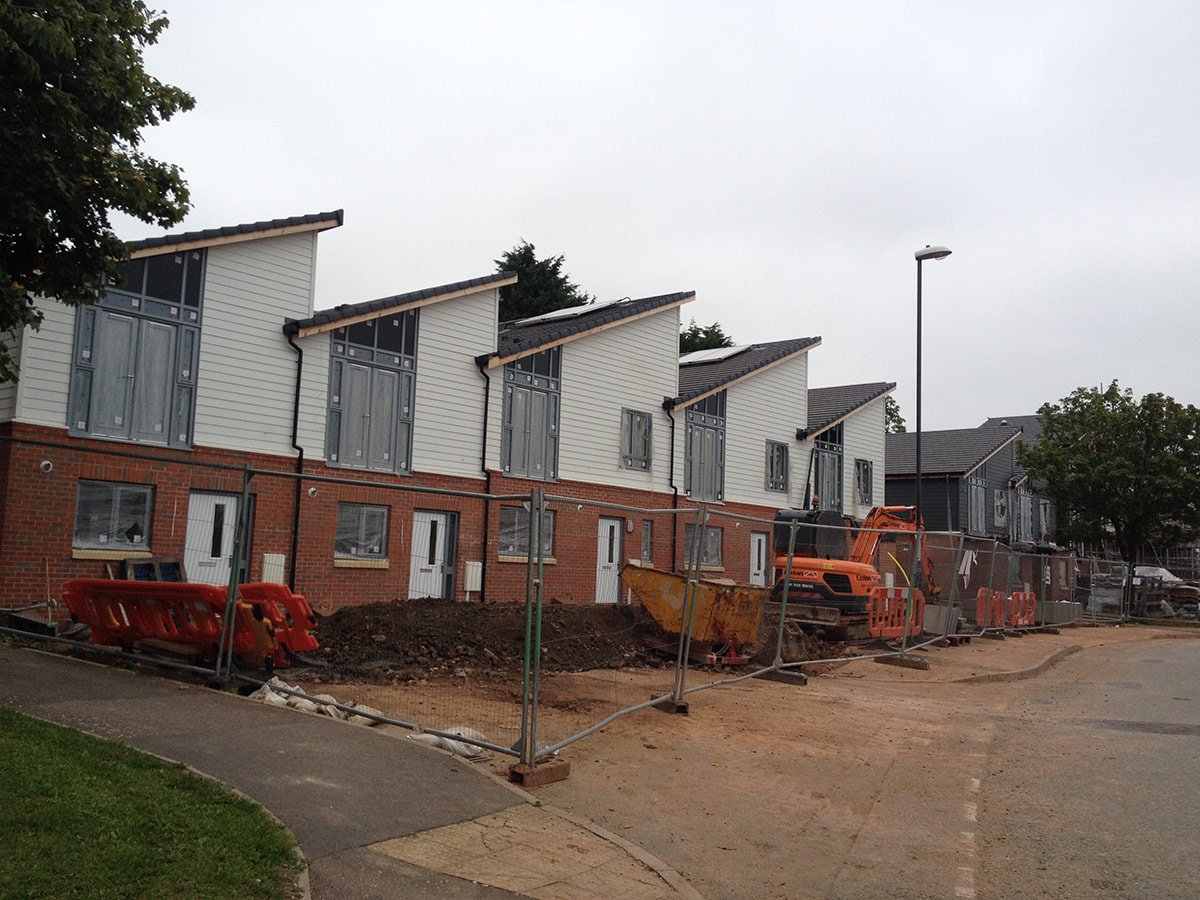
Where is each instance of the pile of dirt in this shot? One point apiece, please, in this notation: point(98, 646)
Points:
point(410, 639)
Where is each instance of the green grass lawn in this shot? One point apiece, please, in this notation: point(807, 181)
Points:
point(82, 817)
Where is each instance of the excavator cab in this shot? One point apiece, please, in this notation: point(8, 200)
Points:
point(820, 533)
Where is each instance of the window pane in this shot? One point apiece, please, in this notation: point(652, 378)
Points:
point(361, 531)
point(132, 271)
point(391, 334)
point(112, 516)
point(514, 531)
point(164, 277)
point(383, 419)
point(153, 381)
point(362, 333)
point(194, 275)
point(647, 540)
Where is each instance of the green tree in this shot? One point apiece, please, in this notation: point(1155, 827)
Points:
point(1120, 468)
point(703, 337)
point(74, 98)
point(894, 422)
point(541, 286)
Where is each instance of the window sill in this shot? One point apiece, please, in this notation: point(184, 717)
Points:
point(712, 568)
point(77, 553)
point(360, 563)
point(345, 467)
point(547, 560)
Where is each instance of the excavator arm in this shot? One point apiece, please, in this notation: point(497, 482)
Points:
point(891, 518)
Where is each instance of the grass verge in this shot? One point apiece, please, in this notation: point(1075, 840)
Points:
point(83, 817)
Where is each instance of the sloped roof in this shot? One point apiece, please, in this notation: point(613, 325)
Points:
point(311, 222)
point(696, 379)
point(326, 319)
point(954, 452)
point(1031, 431)
point(829, 404)
point(525, 336)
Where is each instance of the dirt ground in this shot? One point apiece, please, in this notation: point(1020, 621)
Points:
point(846, 787)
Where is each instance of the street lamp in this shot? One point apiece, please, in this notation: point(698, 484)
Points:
point(921, 255)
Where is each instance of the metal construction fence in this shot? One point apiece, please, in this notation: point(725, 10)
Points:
point(594, 610)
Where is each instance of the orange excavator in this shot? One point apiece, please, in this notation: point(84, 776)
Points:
point(830, 579)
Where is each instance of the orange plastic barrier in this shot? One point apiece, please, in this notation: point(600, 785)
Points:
point(1022, 609)
point(120, 613)
point(886, 612)
point(989, 609)
point(289, 613)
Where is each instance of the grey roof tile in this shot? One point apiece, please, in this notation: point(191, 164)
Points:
point(522, 336)
point(827, 405)
point(952, 452)
point(387, 304)
point(1031, 430)
point(334, 218)
point(700, 378)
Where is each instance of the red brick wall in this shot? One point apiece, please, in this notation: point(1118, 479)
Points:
point(37, 516)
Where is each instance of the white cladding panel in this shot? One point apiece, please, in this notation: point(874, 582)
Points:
point(12, 341)
point(631, 366)
point(46, 367)
point(863, 438)
point(314, 394)
point(769, 405)
point(247, 371)
point(449, 403)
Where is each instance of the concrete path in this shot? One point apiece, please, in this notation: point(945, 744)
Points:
point(376, 816)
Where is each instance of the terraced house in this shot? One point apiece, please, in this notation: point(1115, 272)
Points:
point(391, 440)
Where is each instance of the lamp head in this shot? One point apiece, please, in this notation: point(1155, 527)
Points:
point(932, 253)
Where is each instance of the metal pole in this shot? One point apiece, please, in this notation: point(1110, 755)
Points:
point(229, 620)
point(525, 742)
point(787, 588)
point(917, 496)
point(918, 570)
point(691, 586)
point(537, 631)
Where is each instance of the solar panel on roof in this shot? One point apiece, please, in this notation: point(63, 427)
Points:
point(715, 354)
point(569, 312)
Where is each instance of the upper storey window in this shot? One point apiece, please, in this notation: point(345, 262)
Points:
point(133, 374)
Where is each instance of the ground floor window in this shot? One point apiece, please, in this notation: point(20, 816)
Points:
point(710, 545)
point(113, 516)
point(514, 531)
point(361, 531)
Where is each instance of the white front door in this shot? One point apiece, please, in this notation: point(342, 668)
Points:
point(211, 528)
point(758, 559)
point(608, 560)
point(427, 576)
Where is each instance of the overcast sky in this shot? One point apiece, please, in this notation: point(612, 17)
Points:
point(782, 160)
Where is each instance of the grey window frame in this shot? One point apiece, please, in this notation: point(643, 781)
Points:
point(513, 539)
point(353, 518)
point(632, 455)
point(1024, 515)
point(712, 539)
point(369, 382)
point(864, 481)
point(976, 505)
point(704, 448)
point(116, 491)
point(1000, 507)
point(529, 433)
point(778, 466)
point(135, 356)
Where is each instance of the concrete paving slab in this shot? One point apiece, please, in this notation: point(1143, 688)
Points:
point(362, 874)
point(531, 851)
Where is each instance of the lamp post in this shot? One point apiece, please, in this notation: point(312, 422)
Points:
point(921, 255)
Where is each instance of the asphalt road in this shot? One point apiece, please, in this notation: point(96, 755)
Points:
point(1093, 781)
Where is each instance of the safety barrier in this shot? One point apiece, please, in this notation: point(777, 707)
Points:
point(289, 613)
point(121, 613)
point(989, 609)
point(888, 611)
point(1022, 609)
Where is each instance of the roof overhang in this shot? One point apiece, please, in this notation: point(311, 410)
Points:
point(333, 221)
point(496, 360)
point(410, 304)
point(684, 404)
point(803, 434)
